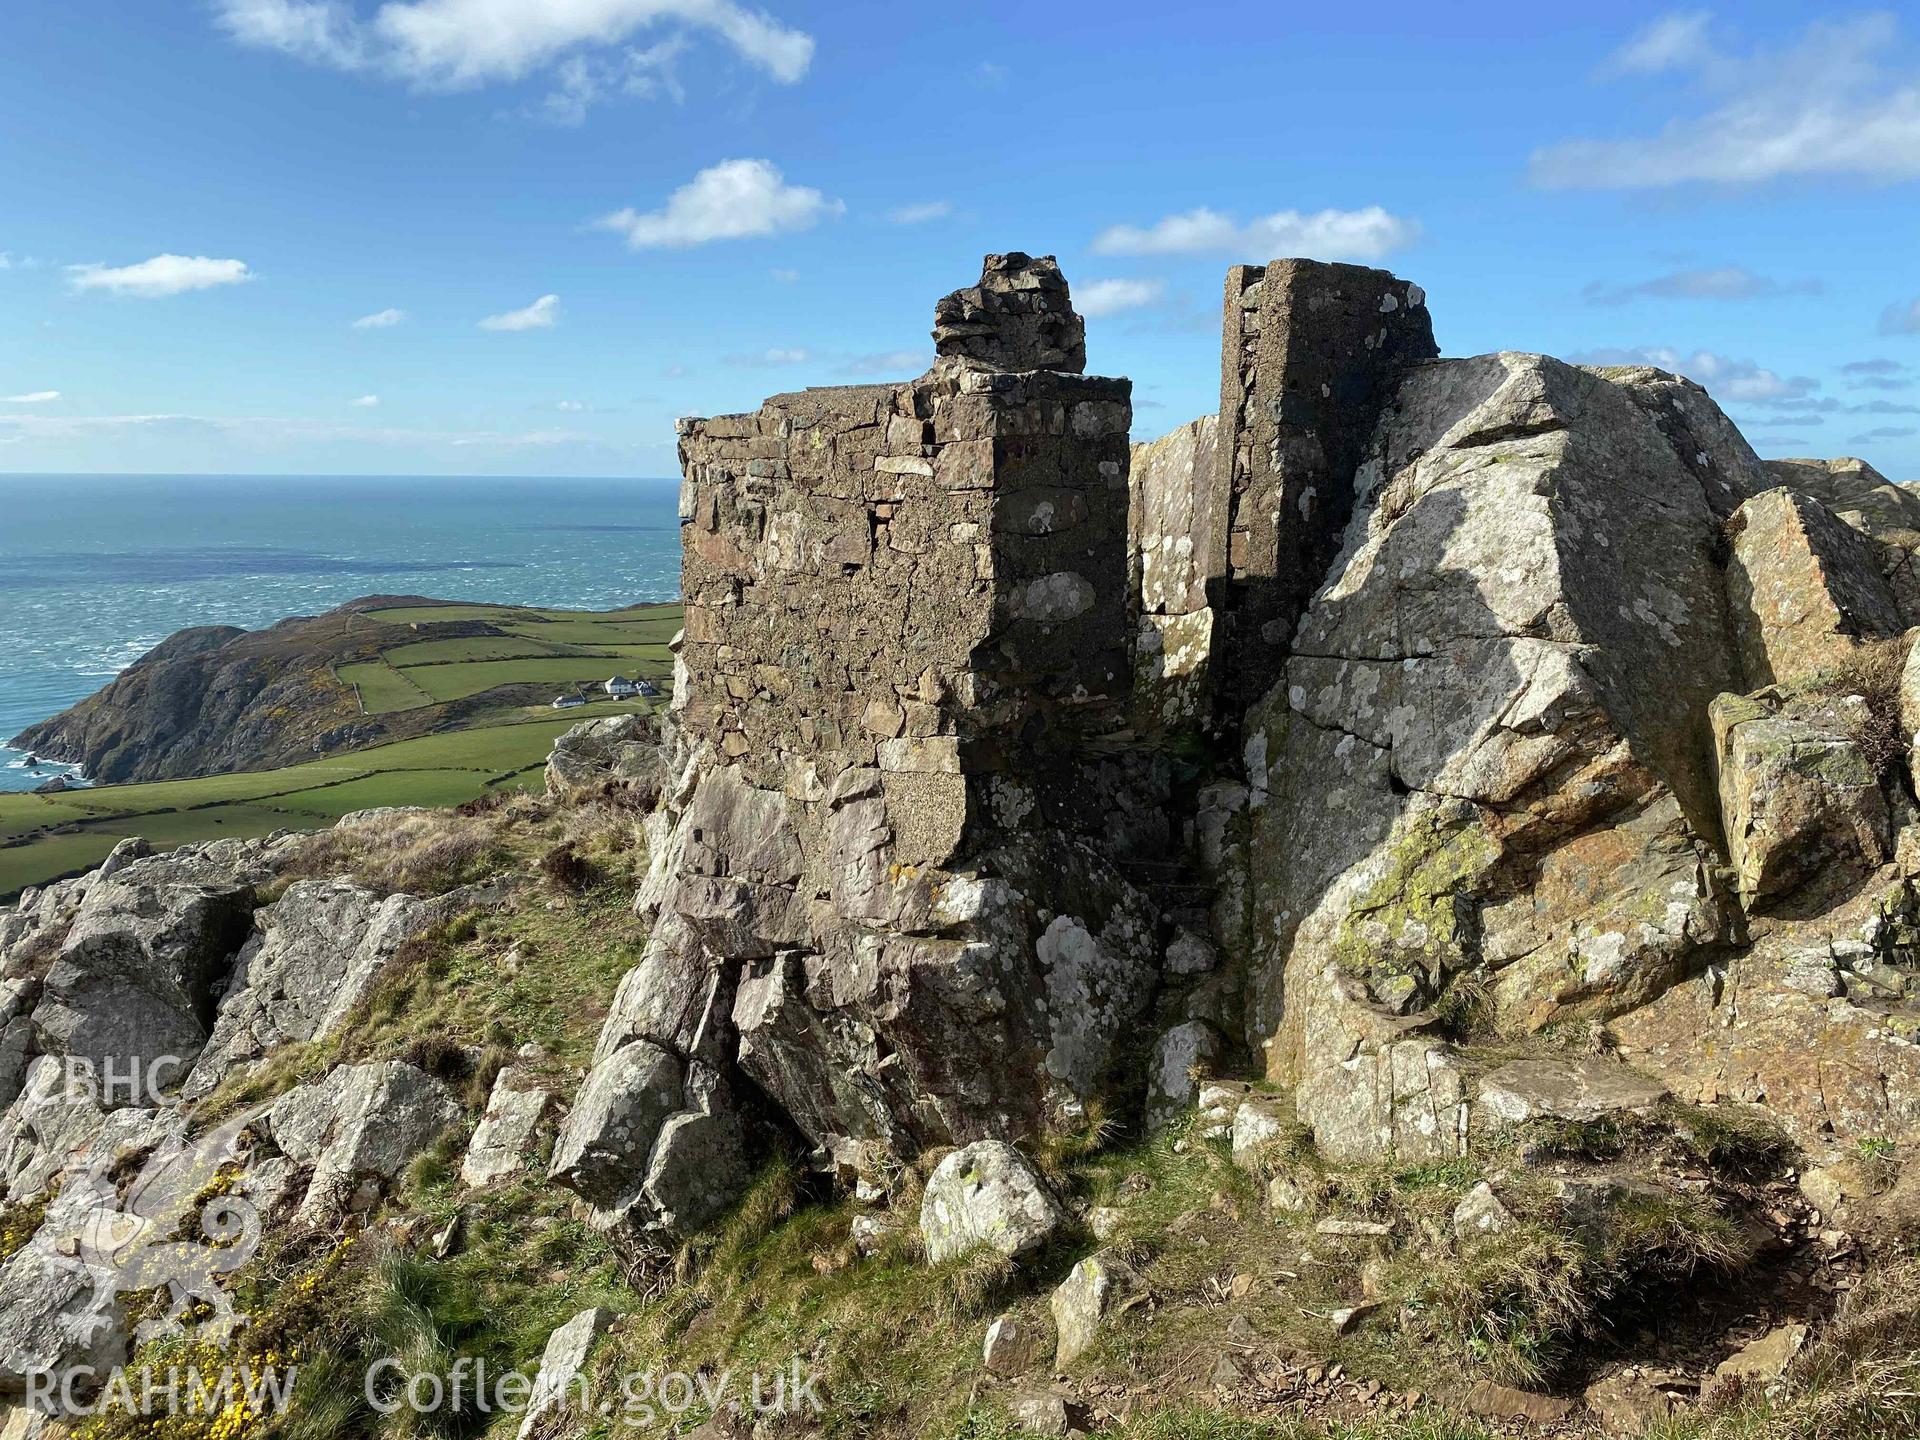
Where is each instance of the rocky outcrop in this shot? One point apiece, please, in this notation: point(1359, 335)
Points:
point(1805, 587)
point(1815, 1021)
point(116, 976)
point(603, 1148)
point(1800, 799)
point(622, 748)
point(357, 1130)
point(987, 1194)
point(134, 980)
point(505, 1140)
point(316, 954)
point(1856, 492)
point(1485, 757)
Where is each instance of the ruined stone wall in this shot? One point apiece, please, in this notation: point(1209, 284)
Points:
point(1178, 546)
point(1308, 351)
point(892, 857)
point(927, 578)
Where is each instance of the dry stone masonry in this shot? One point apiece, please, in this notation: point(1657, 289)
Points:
point(890, 868)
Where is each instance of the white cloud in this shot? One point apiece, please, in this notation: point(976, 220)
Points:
point(161, 276)
point(1880, 374)
point(583, 81)
point(571, 406)
point(785, 277)
point(366, 402)
point(1720, 282)
point(1901, 318)
point(922, 213)
point(734, 200)
point(1672, 42)
point(542, 314)
point(1737, 382)
point(1367, 234)
point(6, 260)
point(34, 397)
point(1110, 297)
point(381, 320)
point(461, 44)
point(1831, 104)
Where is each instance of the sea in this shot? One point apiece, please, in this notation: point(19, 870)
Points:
point(97, 570)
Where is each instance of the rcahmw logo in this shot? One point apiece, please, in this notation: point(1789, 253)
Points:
point(127, 1246)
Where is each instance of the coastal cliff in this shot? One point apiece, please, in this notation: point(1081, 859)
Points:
point(216, 699)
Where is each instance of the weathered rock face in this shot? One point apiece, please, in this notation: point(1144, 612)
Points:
point(317, 953)
point(603, 1147)
point(1574, 1088)
point(1816, 1021)
point(506, 1139)
point(1496, 709)
point(623, 748)
point(1805, 587)
point(1856, 492)
point(1800, 799)
point(134, 979)
point(360, 1126)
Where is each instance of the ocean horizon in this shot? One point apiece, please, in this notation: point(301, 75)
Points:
point(95, 570)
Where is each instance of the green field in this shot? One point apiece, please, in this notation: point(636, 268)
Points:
point(411, 614)
point(383, 689)
point(477, 647)
point(456, 682)
point(45, 837)
point(565, 649)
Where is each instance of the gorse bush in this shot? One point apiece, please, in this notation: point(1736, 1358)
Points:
point(1872, 672)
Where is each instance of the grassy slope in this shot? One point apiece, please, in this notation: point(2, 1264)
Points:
point(559, 648)
point(45, 837)
point(899, 1339)
point(381, 688)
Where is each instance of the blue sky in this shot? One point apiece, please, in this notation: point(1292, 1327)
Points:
point(521, 236)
